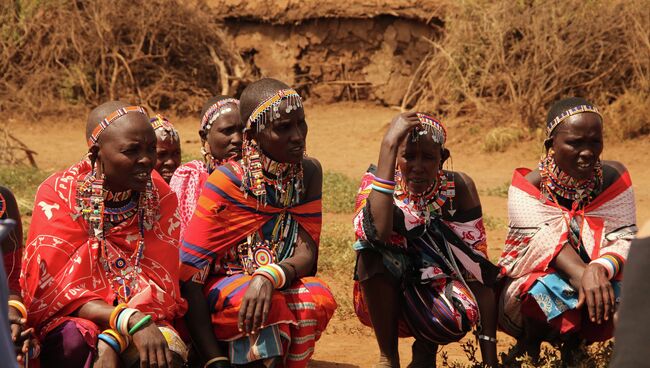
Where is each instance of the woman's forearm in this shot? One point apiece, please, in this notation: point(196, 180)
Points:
point(570, 265)
point(381, 204)
point(96, 311)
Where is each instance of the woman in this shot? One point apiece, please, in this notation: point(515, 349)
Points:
point(570, 228)
point(168, 147)
point(100, 267)
point(221, 134)
point(256, 231)
point(12, 250)
point(422, 267)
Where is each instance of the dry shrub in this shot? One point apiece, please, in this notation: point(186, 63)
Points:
point(500, 139)
point(504, 57)
point(628, 116)
point(163, 54)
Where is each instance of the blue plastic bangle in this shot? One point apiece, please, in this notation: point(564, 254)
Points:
point(110, 341)
point(382, 190)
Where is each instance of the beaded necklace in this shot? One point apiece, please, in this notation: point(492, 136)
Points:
point(261, 171)
point(555, 182)
point(431, 200)
point(122, 273)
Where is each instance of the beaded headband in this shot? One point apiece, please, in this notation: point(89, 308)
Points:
point(161, 122)
point(551, 125)
point(268, 110)
point(110, 119)
point(216, 110)
point(433, 126)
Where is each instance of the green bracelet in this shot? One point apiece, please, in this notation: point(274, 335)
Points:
point(140, 324)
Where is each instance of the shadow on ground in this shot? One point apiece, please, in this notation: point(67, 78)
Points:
point(323, 364)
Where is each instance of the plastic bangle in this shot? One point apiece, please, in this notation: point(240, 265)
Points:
point(280, 272)
point(20, 306)
point(385, 186)
point(120, 340)
point(607, 264)
point(113, 318)
point(110, 341)
point(140, 324)
point(487, 338)
point(214, 360)
point(384, 181)
point(267, 276)
point(382, 190)
point(123, 320)
point(616, 262)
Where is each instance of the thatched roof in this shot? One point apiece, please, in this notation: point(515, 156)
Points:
point(295, 11)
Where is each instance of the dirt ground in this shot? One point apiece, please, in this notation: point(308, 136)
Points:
point(345, 137)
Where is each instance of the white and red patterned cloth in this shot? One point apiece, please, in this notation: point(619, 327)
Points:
point(61, 269)
point(538, 229)
point(187, 183)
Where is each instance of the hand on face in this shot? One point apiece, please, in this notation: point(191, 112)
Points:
point(284, 140)
point(577, 144)
point(400, 126)
point(126, 153)
point(224, 140)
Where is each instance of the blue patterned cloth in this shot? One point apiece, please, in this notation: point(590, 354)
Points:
point(555, 296)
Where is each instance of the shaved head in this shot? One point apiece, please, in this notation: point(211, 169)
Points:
point(255, 93)
point(100, 112)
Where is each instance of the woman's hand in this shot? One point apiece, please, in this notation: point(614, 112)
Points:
point(399, 128)
point(151, 344)
point(22, 338)
point(597, 292)
point(106, 356)
point(255, 305)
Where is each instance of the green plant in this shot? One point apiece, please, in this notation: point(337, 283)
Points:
point(23, 182)
point(339, 192)
point(500, 191)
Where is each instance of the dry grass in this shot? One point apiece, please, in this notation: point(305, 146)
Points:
point(499, 139)
point(508, 61)
point(162, 54)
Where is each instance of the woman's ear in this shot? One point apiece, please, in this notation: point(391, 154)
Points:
point(93, 153)
point(444, 155)
point(548, 143)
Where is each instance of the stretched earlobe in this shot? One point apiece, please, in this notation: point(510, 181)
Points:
point(444, 155)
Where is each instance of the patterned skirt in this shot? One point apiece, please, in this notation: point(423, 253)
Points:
point(298, 316)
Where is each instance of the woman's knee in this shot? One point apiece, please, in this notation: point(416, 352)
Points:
point(66, 346)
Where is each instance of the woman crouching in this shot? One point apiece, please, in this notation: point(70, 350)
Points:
point(256, 231)
point(421, 268)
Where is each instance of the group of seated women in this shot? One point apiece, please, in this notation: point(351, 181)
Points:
point(134, 259)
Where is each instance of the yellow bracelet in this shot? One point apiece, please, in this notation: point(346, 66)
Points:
point(20, 306)
point(120, 339)
point(216, 359)
point(112, 320)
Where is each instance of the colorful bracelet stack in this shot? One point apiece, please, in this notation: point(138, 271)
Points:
point(119, 335)
point(611, 263)
point(383, 185)
point(273, 273)
point(20, 307)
